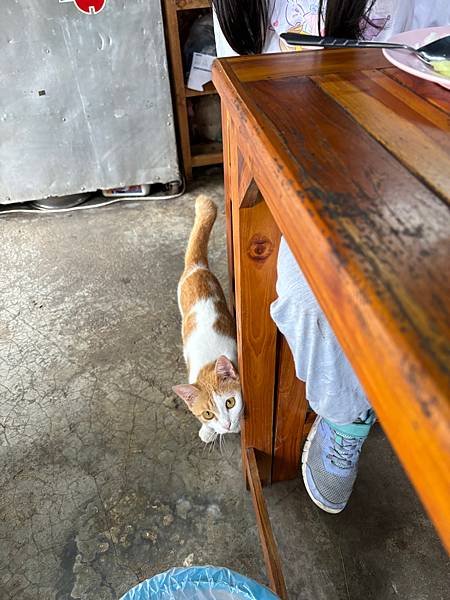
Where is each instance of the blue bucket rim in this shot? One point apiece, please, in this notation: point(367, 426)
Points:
point(202, 577)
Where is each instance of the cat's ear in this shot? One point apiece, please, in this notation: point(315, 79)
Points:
point(188, 393)
point(225, 369)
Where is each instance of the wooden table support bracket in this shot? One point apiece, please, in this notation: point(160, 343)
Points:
point(268, 544)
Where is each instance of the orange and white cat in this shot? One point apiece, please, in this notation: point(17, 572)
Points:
point(213, 393)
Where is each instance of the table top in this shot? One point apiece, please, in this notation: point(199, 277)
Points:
point(352, 157)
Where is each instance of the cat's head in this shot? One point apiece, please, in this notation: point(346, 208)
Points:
point(216, 398)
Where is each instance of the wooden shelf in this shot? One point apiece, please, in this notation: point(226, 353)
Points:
point(193, 155)
point(210, 153)
point(208, 90)
point(192, 4)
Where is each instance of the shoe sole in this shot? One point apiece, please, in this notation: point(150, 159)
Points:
point(305, 454)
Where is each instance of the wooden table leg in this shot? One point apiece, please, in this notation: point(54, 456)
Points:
point(268, 544)
point(255, 249)
point(253, 240)
point(290, 416)
point(229, 160)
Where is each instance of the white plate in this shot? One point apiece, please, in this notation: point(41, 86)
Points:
point(411, 64)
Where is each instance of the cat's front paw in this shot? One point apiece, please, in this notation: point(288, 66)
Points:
point(207, 434)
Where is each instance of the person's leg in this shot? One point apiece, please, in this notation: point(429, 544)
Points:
point(331, 453)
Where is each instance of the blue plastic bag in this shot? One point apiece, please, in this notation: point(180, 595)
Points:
point(199, 583)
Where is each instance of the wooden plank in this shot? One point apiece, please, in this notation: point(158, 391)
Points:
point(230, 159)
point(372, 240)
point(305, 63)
point(247, 189)
point(268, 544)
point(290, 414)
point(256, 240)
point(209, 153)
point(391, 113)
point(178, 85)
point(192, 4)
point(433, 93)
point(208, 90)
point(231, 190)
point(205, 160)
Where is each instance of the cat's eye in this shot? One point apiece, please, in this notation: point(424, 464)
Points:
point(230, 403)
point(208, 415)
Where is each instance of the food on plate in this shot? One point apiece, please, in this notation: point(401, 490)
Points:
point(442, 67)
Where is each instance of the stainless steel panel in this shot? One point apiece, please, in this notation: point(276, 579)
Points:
point(85, 99)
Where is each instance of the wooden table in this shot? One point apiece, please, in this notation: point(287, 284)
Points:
point(349, 159)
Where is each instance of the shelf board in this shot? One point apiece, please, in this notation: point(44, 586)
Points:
point(208, 90)
point(191, 4)
point(206, 154)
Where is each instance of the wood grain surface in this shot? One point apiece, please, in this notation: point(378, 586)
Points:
point(191, 4)
point(290, 416)
point(391, 114)
point(312, 62)
point(435, 94)
point(268, 544)
point(255, 248)
point(230, 153)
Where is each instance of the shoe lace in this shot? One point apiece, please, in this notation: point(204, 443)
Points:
point(343, 452)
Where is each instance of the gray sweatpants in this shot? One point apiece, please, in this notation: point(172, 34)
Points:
point(332, 388)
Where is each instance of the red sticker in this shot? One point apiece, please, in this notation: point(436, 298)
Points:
point(90, 6)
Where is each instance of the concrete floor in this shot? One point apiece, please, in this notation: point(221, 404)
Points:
point(103, 479)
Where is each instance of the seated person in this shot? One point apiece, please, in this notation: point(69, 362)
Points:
point(332, 450)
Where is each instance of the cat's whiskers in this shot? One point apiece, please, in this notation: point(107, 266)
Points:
point(229, 450)
point(224, 447)
point(211, 445)
point(205, 446)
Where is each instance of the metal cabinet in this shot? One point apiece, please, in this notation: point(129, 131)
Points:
point(84, 98)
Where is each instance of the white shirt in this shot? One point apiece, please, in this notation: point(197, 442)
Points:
point(388, 17)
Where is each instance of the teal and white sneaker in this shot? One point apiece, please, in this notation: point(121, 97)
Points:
point(330, 461)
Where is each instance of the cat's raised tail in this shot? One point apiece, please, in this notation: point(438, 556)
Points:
point(205, 216)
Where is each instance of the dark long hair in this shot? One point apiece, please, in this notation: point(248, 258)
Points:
point(244, 23)
point(345, 18)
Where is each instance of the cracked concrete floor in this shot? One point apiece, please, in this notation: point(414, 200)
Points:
point(103, 479)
